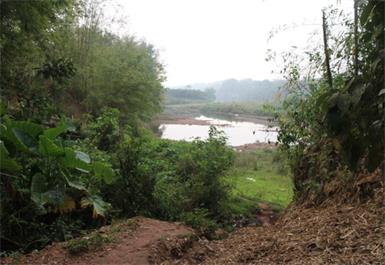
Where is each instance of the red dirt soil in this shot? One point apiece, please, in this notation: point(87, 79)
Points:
point(333, 233)
point(131, 247)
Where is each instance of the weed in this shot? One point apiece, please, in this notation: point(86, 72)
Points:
point(94, 241)
point(198, 219)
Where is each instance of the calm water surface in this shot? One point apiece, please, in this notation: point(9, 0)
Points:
point(237, 132)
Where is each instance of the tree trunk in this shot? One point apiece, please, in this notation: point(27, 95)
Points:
point(355, 37)
point(326, 49)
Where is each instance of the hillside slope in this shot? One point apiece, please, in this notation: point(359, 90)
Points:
point(337, 231)
point(334, 232)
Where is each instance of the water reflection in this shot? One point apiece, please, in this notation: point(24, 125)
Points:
point(238, 132)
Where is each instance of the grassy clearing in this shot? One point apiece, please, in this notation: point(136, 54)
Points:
point(259, 176)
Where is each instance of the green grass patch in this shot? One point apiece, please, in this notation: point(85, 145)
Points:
point(84, 244)
point(259, 176)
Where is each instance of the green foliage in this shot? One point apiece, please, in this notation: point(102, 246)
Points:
point(181, 96)
point(346, 121)
point(104, 132)
point(228, 109)
point(133, 85)
point(57, 69)
point(92, 242)
point(165, 178)
point(200, 220)
point(259, 176)
point(25, 28)
point(41, 174)
point(58, 60)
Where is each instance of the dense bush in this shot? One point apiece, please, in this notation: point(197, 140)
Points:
point(46, 179)
point(163, 178)
point(332, 122)
point(52, 186)
point(57, 178)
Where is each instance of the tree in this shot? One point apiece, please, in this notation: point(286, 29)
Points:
point(26, 28)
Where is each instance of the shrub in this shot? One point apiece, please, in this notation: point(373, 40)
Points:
point(43, 178)
point(200, 220)
point(163, 178)
point(93, 241)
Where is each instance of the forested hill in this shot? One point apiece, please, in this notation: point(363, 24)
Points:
point(240, 90)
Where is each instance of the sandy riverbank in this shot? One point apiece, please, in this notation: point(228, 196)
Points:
point(194, 121)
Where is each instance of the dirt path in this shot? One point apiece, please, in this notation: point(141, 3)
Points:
point(130, 246)
point(329, 234)
point(334, 234)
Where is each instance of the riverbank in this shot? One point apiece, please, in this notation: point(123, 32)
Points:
point(191, 119)
point(255, 146)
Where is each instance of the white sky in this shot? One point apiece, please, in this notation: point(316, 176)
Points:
point(212, 40)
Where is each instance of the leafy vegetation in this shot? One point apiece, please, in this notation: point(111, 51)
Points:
point(74, 151)
point(84, 244)
point(60, 58)
point(333, 120)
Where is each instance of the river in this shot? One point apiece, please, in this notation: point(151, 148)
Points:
point(237, 132)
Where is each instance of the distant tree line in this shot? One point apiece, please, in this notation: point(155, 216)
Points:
point(230, 90)
point(177, 96)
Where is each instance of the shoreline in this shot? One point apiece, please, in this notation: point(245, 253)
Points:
point(191, 120)
point(254, 146)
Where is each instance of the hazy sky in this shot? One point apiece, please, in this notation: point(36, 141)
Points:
point(211, 40)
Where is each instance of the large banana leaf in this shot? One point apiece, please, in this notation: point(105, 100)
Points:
point(52, 133)
point(43, 195)
point(76, 159)
point(99, 206)
point(21, 134)
point(7, 163)
point(48, 148)
point(30, 128)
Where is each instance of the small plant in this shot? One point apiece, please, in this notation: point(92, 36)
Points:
point(80, 245)
point(198, 219)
